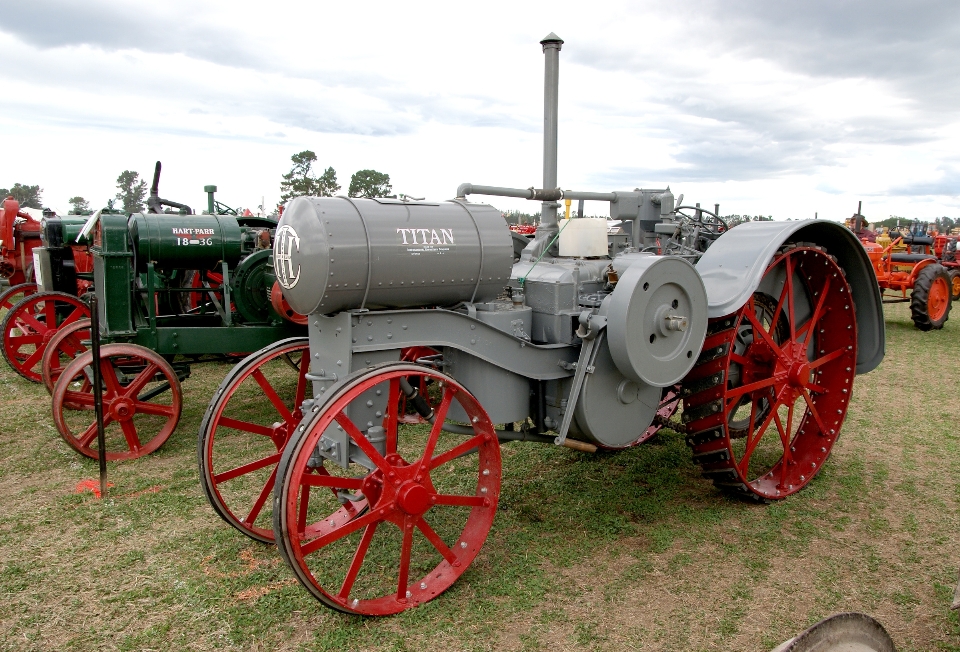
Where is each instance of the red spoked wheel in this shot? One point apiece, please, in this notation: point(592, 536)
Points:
point(142, 401)
point(15, 293)
point(781, 377)
point(244, 430)
point(69, 342)
point(30, 325)
point(432, 495)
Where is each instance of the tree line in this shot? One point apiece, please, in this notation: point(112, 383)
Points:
point(299, 181)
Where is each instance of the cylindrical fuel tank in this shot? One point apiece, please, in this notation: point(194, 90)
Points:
point(338, 253)
point(185, 241)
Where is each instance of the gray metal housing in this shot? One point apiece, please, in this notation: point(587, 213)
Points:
point(337, 253)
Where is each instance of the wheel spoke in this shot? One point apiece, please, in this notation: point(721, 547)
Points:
point(245, 426)
point(357, 561)
point(779, 310)
point(111, 384)
point(818, 312)
point(391, 420)
point(439, 416)
point(142, 378)
point(791, 314)
point(750, 388)
point(405, 549)
point(18, 341)
point(76, 315)
point(756, 437)
point(271, 394)
point(262, 498)
point(346, 529)
point(33, 358)
point(130, 434)
point(33, 324)
point(462, 501)
point(813, 411)
point(435, 540)
point(830, 357)
point(758, 328)
point(91, 432)
point(246, 468)
point(78, 398)
point(457, 451)
point(362, 442)
point(155, 409)
point(301, 392)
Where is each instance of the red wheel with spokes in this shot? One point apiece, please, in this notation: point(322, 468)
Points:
point(431, 494)
point(783, 377)
point(15, 293)
point(141, 402)
point(69, 342)
point(245, 429)
point(30, 325)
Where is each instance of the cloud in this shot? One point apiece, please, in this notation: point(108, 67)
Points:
point(47, 24)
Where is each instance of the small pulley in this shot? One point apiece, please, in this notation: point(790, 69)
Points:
point(656, 319)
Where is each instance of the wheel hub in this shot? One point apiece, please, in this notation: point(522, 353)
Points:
point(413, 498)
point(122, 409)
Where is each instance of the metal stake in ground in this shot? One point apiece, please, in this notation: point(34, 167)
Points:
point(98, 393)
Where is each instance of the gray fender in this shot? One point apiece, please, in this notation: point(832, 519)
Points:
point(732, 267)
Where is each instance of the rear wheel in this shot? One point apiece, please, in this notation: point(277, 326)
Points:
point(431, 494)
point(787, 397)
point(930, 299)
point(30, 325)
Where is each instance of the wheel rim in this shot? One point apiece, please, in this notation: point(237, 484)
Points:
point(955, 285)
point(807, 378)
point(69, 342)
point(417, 537)
point(246, 428)
point(30, 325)
point(15, 293)
point(142, 401)
point(938, 299)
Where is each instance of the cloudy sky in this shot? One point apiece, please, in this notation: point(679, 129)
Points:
point(774, 107)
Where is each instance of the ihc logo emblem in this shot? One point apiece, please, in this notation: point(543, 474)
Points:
point(285, 244)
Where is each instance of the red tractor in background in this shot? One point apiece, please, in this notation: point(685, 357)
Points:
point(902, 261)
point(19, 234)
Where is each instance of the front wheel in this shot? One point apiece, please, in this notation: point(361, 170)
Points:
point(141, 402)
point(431, 494)
point(954, 275)
point(244, 430)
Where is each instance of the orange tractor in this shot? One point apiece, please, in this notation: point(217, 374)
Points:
point(901, 264)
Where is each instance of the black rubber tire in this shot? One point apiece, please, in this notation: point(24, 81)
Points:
point(954, 274)
point(920, 298)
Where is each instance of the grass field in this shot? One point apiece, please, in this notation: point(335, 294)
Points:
point(626, 551)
